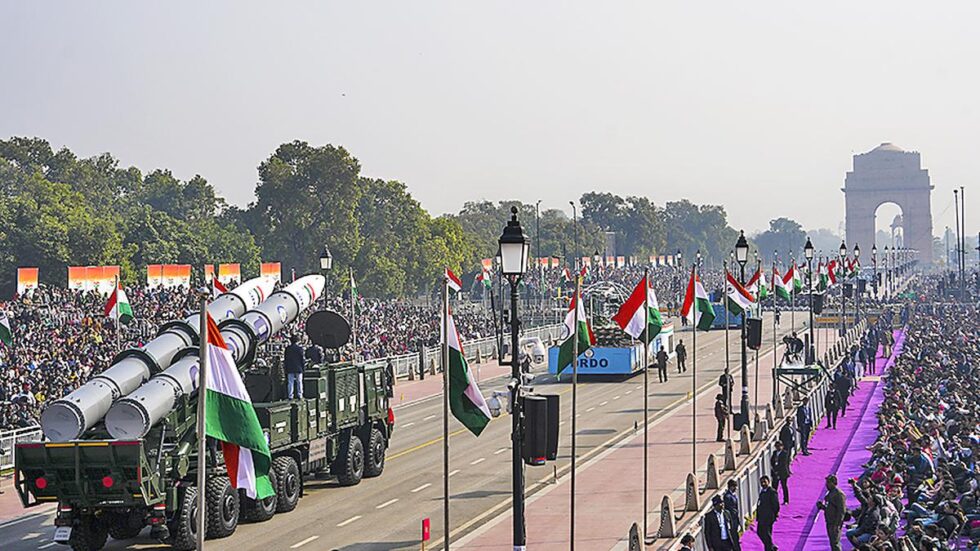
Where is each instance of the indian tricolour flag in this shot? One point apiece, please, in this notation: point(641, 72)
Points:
point(485, 278)
point(782, 289)
point(697, 307)
point(634, 318)
point(832, 272)
point(454, 282)
point(118, 306)
point(757, 285)
point(796, 279)
point(231, 419)
point(465, 399)
point(585, 336)
point(6, 335)
point(739, 299)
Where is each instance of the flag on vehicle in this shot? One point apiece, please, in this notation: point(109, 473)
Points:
point(454, 283)
point(6, 334)
point(231, 419)
point(782, 289)
point(633, 318)
point(465, 399)
point(585, 336)
point(118, 307)
point(697, 307)
point(218, 288)
point(739, 299)
point(485, 277)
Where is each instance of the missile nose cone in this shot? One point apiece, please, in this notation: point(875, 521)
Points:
point(312, 284)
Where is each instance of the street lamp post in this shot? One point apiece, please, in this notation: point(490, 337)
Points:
point(808, 254)
point(874, 262)
point(742, 256)
point(843, 309)
point(857, 287)
point(678, 266)
point(514, 246)
point(326, 263)
point(887, 274)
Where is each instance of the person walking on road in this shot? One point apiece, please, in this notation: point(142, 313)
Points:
point(804, 425)
point(721, 415)
point(835, 511)
point(832, 403)
point(777, 317)
point(681, 352)
point(293, 364)
point(719, 528)
point(780, 470)
point(767, 513)
point(662, 365)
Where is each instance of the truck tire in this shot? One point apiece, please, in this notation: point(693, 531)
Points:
point(288, 483)
point(183, 527)
point(259, 510)
point(349, 466)
point(88, 535)
point(376, 448)
point(223, 508)
point(125, 526)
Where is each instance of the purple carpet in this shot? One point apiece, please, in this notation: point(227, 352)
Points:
point(841, 451)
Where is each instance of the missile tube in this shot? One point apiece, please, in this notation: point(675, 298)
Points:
point(133, 416)
point(69, 417)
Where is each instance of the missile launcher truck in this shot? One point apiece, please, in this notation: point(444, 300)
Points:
point(136, 468)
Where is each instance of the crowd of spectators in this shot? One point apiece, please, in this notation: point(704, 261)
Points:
point(921, 490)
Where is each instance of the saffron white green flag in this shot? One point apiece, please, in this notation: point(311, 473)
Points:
point(485, 278)
point(739, 299)
point(465, 399)
point(782, 289)
point(796, 278)
point(6, 335)
point(757, 285)
point(454, 282)
point(585, 337)
point(697, 307)
point(118, 306)
point(231, 419)
point(634, 318)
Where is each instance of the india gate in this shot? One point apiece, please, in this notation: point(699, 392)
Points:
point(889, 174)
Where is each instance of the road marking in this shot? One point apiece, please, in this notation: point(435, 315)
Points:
point(478, 461)
point(616, 397)
point(387, 503)
point(304, 542)
point(429, 417)
point(604, 403)
point(453, 472)
point(425, 444)
point(406, 425)
point(588, 410)
point(629, 392)
point(422, 487)
point(500, 451)
point(638, 387)
point(31, 536)
point(348, 521)
point(560, 424)
point(46, 545)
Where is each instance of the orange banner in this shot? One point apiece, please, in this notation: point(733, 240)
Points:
point(208, 273)
point(272, 269)
point(101, 279)
point(620, 261)
point(487, 263)
point(26, 279)
point(228, 273)
point(154, 275)
point(555, 262)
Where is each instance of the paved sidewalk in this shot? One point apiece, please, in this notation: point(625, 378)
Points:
point(842, 451)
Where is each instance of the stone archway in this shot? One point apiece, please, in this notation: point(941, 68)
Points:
point(889, 174)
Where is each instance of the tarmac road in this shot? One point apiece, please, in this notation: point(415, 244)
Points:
point(385, 513)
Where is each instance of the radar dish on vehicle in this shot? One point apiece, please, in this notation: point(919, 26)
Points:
point(328, 329)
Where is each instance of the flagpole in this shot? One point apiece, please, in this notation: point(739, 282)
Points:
point(202, 378)
point(571, 521)
point(694, 375)
point(445, 407)
point(775, 359)
point(758, 302)
point(118, 318)
point(646, 394)
point(728, 369)
point(353, 314)
point(792, 297)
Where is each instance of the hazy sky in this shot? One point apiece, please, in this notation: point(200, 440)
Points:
point(756, 105)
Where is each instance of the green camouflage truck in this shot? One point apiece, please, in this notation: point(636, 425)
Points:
point(106, 487)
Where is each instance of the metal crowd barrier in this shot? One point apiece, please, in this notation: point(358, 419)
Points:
point(8, 439)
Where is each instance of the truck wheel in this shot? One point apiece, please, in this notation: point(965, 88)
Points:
point(288, 482)
point(125, 526)
point(223, 508)
point(349, 466)
point(183, 527)
point(259, 510)
point(377, 446)
point(89, 535)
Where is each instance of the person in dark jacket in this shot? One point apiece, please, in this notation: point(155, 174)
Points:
point(731, 502)
point(720, 533)
point(767, 512)
point(787, 435)
point(293, 366)
point(780, 469)
point(834, 507)
point(314, 353)
point(721, 415)
point(727, 383)
point(681, 352)
point(804, 425)
point(662, 364)
point(832, 403)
